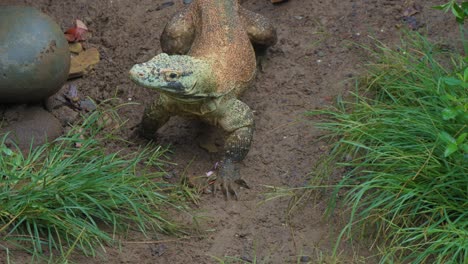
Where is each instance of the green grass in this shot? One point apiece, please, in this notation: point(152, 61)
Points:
point(404, 156)
point(70, 195)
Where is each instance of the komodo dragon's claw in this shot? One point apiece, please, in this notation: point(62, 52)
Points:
point(229, 181)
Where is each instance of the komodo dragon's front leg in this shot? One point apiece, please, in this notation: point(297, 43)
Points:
point(237, 120)
point(155, 117)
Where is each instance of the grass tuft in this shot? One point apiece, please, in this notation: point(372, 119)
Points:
point(404, 151)
point(71, 195)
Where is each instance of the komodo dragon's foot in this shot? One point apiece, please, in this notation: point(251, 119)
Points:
point(229, 180)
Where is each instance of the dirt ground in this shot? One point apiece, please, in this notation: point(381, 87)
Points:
point(314, 61)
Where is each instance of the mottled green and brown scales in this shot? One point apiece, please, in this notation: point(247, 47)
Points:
point(212, 62)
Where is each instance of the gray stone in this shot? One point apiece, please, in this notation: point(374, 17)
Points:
point(31, 125)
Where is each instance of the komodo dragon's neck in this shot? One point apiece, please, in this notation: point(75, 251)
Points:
point(222, 41)
point(218, 24)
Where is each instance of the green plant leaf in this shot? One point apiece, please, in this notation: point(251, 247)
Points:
point(447, 138)
point(450, 98)
point(458, 12)
point(444, 7)
point(449, 113)
point(461, 138)
point(7, 151)
point(464, 147)
point(465, 74)
point(464, 116)
point(451, 148)
point(452, 81)
point(464, 6)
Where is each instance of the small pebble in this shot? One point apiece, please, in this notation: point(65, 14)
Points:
point(72, 93)
point(87, 20)
point(412, 22)
point(247, 259)
point(158, 250)
point(161, 6)
point(168, 176)
point(66, 115)
point(305, 259)
point(167, 4)
point(87, 105)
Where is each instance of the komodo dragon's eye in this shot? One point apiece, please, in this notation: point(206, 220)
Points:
point(170, 75)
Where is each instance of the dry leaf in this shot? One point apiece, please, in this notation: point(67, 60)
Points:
point(76, 33)
point(83, 62)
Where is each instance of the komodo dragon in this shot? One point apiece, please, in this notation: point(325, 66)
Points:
point(212, 63)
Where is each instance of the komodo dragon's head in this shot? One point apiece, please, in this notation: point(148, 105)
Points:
point(178, 76)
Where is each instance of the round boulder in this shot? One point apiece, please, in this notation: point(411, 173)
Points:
point(34, 55)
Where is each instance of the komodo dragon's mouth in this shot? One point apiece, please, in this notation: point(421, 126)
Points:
point(173, 87)
point(177, 91)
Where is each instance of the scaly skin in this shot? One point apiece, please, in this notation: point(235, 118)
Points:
point(219, 65)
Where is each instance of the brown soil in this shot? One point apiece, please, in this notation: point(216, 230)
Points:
point(314, 61)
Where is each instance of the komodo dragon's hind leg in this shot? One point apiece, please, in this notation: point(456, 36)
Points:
point(260, 30)
point(179, 33)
